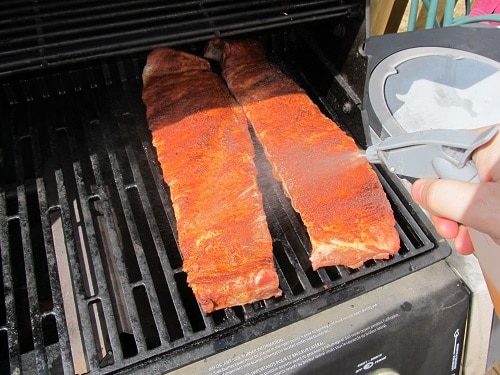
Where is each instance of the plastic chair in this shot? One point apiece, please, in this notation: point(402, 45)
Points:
point(448, 17)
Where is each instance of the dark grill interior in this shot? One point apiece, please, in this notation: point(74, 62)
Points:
point(92, 276)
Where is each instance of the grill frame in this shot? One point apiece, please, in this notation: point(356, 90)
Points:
point(103, 113)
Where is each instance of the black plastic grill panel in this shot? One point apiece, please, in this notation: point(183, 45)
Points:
point(92, 275)
point(45, 33)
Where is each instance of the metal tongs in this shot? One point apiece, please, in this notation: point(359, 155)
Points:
point(442, 153)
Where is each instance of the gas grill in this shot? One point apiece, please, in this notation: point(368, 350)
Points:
point(92, 274)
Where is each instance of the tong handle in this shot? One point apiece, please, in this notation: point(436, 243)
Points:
point(488, 254)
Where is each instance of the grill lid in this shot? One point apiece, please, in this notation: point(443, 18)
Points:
point(431, 79)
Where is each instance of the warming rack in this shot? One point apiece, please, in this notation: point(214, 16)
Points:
point(47, 33)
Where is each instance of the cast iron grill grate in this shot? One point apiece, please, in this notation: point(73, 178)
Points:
point(45, 33)
point(92, 277)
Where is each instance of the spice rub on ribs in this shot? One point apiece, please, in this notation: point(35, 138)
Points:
point(206, 155)
point(336, 192)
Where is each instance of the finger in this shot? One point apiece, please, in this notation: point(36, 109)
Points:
point(445, 198)
point(445, 227)
point(475, 205)
point(451, 229)
point(463, 243)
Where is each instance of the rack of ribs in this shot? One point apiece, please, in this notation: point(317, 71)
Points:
point(336, 192)
point(206, 155)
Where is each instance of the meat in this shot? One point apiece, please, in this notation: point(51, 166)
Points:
point(336, 192)
point(206, 155)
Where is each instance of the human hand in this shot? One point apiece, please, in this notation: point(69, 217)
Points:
point(456, 205)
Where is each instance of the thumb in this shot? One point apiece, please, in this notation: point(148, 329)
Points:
point(475, 205)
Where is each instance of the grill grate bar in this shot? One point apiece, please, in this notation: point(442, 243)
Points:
point(285, 287)
point(11, 321)
point(57, 309)
point(34, 312)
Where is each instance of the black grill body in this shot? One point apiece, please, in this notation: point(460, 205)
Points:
point(92, 274)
